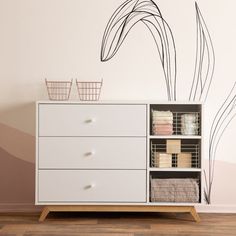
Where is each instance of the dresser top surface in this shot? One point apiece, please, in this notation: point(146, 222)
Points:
point(145, 102)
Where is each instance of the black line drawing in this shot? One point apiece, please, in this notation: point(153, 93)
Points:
point(203, 75)
point(204, 62)
point(222, 119)
point(126, 16)
point(202, 79)
point(131, 12)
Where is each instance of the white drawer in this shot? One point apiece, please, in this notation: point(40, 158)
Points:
point(92, 152)
point(91, 186)
point(92, 120)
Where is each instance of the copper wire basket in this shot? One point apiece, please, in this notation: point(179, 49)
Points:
point(58, 90)
point(89, 91)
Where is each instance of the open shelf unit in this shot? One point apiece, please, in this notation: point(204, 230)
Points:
point(174, 153)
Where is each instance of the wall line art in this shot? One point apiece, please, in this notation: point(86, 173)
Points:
point(204, 61)
point(125, 17)
point(221, 121)
point(131, 12)
point(203, 76)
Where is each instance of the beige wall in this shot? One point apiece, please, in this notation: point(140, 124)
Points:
point(61, 39)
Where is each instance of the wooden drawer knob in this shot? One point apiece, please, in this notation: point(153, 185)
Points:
point(89, 186)
point(91, 153)
point(90, 120)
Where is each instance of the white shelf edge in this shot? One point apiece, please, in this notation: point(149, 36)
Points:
point(175, 136)
point(173, 169)
point(174, 203)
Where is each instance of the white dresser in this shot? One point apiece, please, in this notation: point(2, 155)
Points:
point(94, 153)
point(108, 154)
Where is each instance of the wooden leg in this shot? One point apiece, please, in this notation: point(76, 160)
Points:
point(120, 208)
point(44, 214)
point(194, 214)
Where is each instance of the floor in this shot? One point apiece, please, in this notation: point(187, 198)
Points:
point(116, 224)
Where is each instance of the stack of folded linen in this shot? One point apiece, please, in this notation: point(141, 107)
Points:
point(189, 124)
point(184, 160)
point(162, 122)
point(162, 160)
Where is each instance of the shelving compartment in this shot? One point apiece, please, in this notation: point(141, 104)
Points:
point(181, 187)
point(171, 153)
point(180, 119)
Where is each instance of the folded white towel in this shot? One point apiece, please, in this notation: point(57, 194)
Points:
point(189, 131)
point(190, 117)
point(162, 122)
point(189, 124)
point(162, 113)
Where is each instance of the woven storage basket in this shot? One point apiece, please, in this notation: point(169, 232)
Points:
point(175, 190)
point(162, 160)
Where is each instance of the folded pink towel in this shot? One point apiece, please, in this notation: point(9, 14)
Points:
point(162, 122)
point(163, 129)
point(155, 132)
